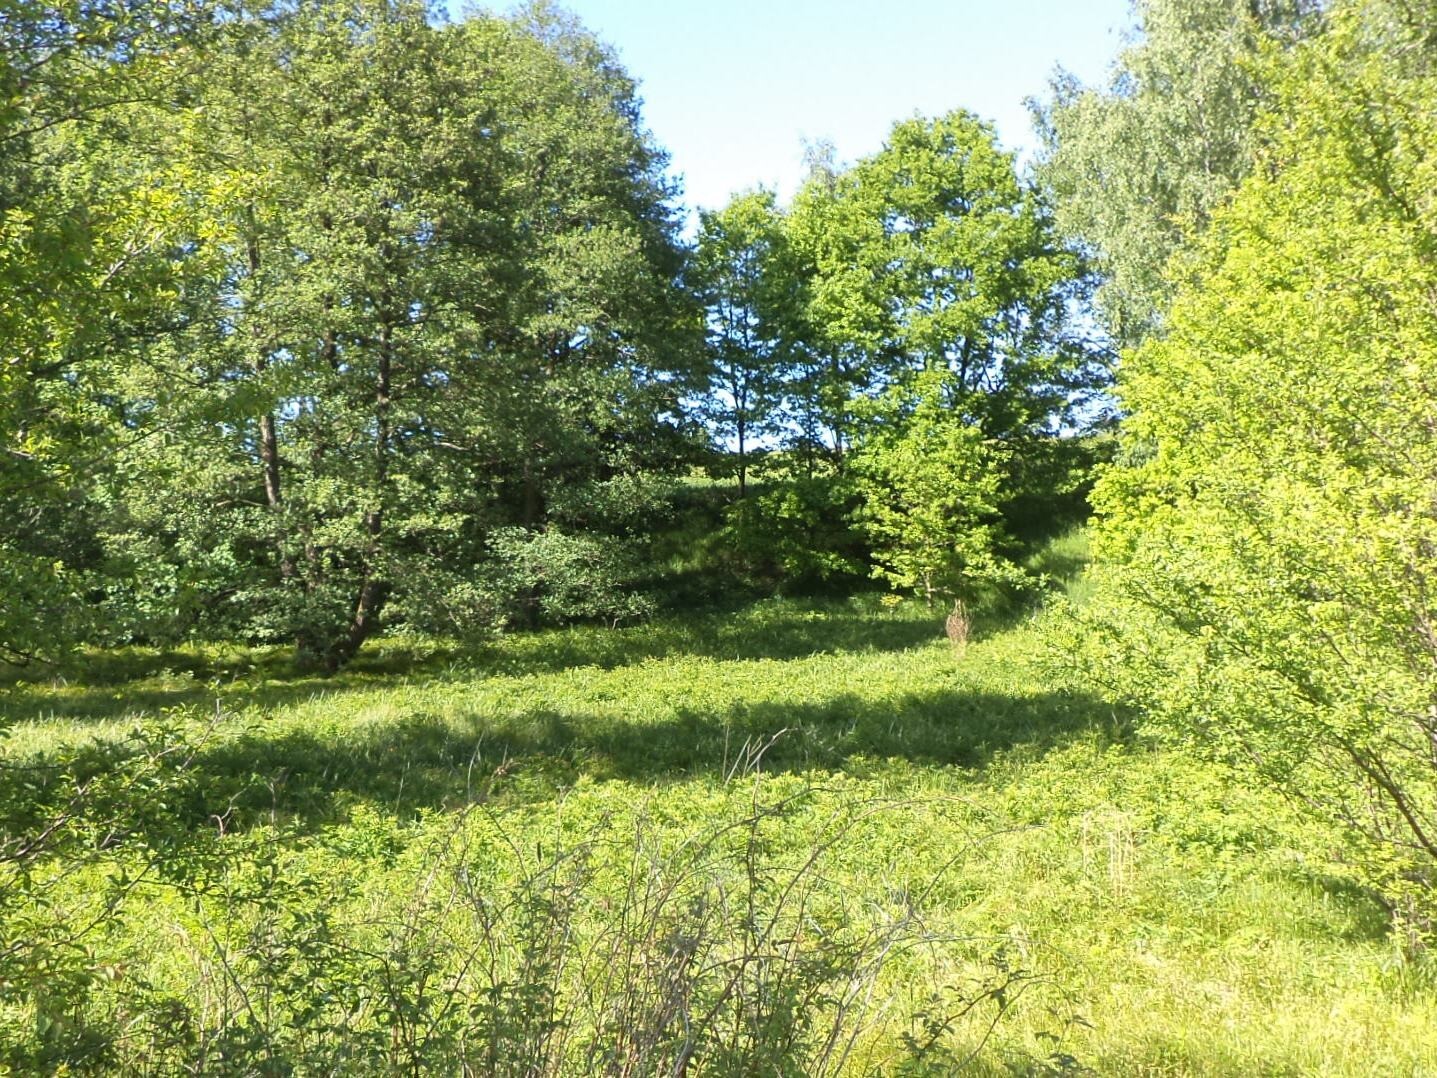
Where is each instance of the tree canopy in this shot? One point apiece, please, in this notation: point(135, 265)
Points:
point(1268, 537)
point(369, 286)
point(1137, 166)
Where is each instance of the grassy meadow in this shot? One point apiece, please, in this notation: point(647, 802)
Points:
point(440, 629)
point(798, 837)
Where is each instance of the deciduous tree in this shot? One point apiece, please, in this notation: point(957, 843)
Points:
point(1269, 539)
point(1141, 163)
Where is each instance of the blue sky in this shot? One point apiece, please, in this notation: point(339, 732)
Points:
point(731, 88)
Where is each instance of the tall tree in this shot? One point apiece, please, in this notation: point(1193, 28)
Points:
point(1138, 165)
point(442, 290)
point(933, 255)
point(942, 354)
point(749, 288)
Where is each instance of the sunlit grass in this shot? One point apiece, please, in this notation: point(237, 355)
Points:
point(1175, 923)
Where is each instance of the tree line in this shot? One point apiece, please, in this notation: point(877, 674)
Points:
point(334, 316)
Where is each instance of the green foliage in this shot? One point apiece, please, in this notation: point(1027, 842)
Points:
point(336, 294)
point(746, 278)
point(87, 267)
point(792, 533)
point(927, 271)
point(933, 255)
point(1138, 166)
point(380, 286)
point(549, 852)
point(554, 577)
point(1270, 529)
point(323, 318)
point(930, 496)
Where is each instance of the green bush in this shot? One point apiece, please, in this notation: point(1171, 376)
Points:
point(792, 534)
point(1269, 534)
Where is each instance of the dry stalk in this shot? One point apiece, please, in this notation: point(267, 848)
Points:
point(958, 626)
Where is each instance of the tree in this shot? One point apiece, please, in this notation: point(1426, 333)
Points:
point(931, 487)
point(1269, 539)
point(88, 268)
point(944, 356)
point(283, 405)
point(932, 255)
point(745, 279)
point(1138, 166)
point(441, 296)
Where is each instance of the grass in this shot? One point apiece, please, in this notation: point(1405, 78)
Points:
point(799, 790)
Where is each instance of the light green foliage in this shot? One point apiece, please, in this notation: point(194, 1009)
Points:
point(1271, 533)
point(86, 268)
point(930, 493)
point(1140, 164)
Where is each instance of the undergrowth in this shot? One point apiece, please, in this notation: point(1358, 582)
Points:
point(800, 838)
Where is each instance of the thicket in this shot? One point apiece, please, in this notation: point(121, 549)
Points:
point(389, 322)
point(1266, 537)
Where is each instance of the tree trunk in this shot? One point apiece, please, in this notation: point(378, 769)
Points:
point(532, 514)
point(268, 428)
point(373, 590)
point(742, 459)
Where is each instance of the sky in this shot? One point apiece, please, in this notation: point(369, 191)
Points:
point(733, 88)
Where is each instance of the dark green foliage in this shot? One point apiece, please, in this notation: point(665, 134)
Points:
point(792, 533)
point(391, 294)
point(409, 284)
point(550, 577)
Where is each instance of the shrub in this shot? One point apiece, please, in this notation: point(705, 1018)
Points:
point(1270, 534)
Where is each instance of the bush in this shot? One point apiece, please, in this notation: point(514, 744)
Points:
point(1270, 534)
point(550, 577)
point(793, 533)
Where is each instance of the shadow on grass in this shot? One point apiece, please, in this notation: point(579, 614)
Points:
point(1356, 912)
point(779, 630)
point(160, 681)
point(101, 686)
point(427, 762)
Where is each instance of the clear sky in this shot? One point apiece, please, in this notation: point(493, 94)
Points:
point(731, 88)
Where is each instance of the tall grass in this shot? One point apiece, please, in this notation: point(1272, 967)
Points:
point(797, 838)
